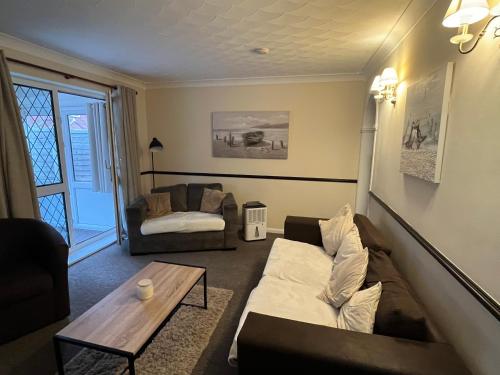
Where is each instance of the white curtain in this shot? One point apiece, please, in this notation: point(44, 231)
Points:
point(127, 147)
point(17, 185)
point(100, 157)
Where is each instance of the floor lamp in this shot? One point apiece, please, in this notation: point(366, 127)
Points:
point(154, 146)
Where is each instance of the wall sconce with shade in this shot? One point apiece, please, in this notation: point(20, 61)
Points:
point(154, 147)
point(463, 13)
point(384, 86)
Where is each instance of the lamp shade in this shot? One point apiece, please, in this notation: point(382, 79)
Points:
point(495, 7)
point(465, 12)
point(389, 77)
point(155, 145)
point(376, 85)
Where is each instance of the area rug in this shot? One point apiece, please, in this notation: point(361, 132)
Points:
point(175, 350)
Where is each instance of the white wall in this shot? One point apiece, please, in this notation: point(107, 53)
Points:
point(325, 121)
point(459, 216)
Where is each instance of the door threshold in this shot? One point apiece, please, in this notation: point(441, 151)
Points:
point(83, 252)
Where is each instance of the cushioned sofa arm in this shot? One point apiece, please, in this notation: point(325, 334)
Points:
point(35, 240)
point(268, 343)
point(230, 215)
point(136, 214)
point(230, 208)
point(303, 229)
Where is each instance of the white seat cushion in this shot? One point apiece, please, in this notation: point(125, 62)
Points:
point(285, 299)
point(183, 222)
point(299, 262)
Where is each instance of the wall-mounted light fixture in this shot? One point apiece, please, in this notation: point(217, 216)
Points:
point(463, 13)
point(384, 85)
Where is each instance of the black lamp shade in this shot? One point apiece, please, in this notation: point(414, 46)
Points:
point(155, 145)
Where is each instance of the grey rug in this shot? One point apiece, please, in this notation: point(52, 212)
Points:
point(175, 350)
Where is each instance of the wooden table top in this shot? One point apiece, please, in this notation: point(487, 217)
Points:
point(120, 321)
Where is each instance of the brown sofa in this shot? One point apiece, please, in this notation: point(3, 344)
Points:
point(404, 341)
point(183, 198)
point(33, 277)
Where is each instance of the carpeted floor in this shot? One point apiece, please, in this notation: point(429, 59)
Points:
point(93, 278)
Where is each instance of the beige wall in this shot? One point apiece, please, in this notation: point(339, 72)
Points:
point(325, 120)
point(460, 215)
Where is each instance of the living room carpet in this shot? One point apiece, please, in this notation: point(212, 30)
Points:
point(175, 350)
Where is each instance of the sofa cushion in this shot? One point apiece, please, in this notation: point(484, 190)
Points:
point(195, 192)
point(299, 262)
point(158, 204)
point(23, 281)
point(358, 314)
point(211, 201)
point(398, 313)
point(334, 230)
point(178, 196)
point(346, 279)
point(370, 236)
point(351, 245)
point(285, 299)
point(183, 222)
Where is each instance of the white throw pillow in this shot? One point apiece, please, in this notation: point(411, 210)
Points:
point(346, 279)
point(358, 314)
point(350, 245)
point(334, 230)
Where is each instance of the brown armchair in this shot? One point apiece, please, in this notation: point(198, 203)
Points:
point(33, 277)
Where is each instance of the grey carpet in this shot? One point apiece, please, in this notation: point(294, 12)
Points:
point(175, 350)
point(93, 278)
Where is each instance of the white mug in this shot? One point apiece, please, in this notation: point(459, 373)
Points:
point(144, 289)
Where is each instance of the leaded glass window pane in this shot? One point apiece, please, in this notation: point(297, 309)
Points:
point(53, 211)
point(39, 126)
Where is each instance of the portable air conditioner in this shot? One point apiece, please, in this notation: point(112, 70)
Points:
point(254, 221)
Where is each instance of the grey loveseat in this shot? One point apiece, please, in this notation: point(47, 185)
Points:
point(183, 198)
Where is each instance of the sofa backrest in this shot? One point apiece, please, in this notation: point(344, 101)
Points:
point(370, 236)
point(399, 313)
point(195, 193)
point(178, 196)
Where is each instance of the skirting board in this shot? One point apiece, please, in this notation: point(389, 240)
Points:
point(276, 230)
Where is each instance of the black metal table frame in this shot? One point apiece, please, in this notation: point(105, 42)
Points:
point(131, 357)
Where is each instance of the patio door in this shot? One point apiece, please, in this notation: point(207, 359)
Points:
point(38, 106)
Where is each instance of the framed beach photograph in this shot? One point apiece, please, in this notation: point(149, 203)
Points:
point(250, 134)
point(426, 117)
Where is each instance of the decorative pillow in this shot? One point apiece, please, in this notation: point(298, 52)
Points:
point(178, 196)
point(346, 279)
point(158, 204)
point(358, 314)
point(211, 201)
point(334, 230)
point(350, 245)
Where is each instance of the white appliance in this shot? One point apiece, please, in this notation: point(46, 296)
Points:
point(254, 221)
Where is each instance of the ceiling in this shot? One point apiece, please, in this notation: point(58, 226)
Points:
point(179, 40)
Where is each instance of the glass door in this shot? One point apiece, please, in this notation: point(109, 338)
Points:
point(89, 161)
point(37, 106)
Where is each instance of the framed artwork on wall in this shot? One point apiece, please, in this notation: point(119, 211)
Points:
point(426, 117)
point(250, 134)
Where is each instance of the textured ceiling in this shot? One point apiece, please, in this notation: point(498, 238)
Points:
point(208, 39)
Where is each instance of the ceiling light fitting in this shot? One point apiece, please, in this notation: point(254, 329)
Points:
point(261, 50)
point(463, 13)
point(384, 86)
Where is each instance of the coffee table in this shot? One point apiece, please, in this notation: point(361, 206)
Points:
point(122, 324)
